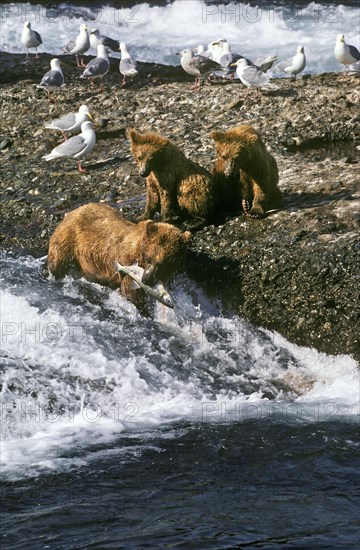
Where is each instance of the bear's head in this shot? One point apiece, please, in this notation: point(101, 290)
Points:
point(162, 250)
point(235, 148)
point(147, 148)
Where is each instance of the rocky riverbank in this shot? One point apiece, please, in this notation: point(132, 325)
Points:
point(295, 271)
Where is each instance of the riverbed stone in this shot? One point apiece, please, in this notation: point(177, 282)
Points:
point(296, 271)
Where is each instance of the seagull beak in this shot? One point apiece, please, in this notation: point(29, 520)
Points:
point(233, 64)
point(89, 115)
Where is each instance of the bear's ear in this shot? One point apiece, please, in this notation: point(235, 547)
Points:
point(186, 236)
point(151, 228)
point(252, 138)
point(218, 136)
point(134, 136)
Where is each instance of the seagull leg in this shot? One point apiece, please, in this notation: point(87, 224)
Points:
point(37, 55)
point(197, 84)
point(123, 82)
point(64, 135)
point(81, 169)
point(79, 65)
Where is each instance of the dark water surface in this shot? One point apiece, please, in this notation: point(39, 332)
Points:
point(192, 430)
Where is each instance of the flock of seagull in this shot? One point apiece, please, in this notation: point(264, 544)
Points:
point(217, 59)
point(96, 69)
point(198, 62)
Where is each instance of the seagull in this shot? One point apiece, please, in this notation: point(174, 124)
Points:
point(71, 122)
point(30, 38)
point(96, 38)
point(76, 147)
point(294, 65)
point(53, 79)
point(215, 49)
point(197, 66)
point(344, 53)
point(226, 56)
point(252, 76)
point(79, 45)
point(265, 64)
point(200, 50)
point(127, 66)
point(98, 67)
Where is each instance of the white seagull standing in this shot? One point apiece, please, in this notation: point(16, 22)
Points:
point(30, 38)
point(97, 68)
point(345, 53)
point(127, 66)
point(76, 147)
point(79, 45)
point(197, 66)
point(96, 38)
point(70, 122)
point(294, 65)
point(251, 76)
point(53, 79)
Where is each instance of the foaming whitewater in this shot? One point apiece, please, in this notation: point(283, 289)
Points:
point(81, 370)
point(155, 34)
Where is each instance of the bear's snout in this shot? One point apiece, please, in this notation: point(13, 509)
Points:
point(229, 170)
point(144, 170)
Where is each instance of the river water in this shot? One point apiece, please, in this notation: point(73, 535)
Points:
point(193, 429)
point(190, 430)
point(156, 33)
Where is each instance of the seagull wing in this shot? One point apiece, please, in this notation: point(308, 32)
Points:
point(38, 37)
point(286, 64)
point(111, 43)
point(64, 123)
point(128, 67)
point(354, 52)
point(69, 46)
point(52, 78)
point(265, 64)
point(204, 64)
point(96, 67)
point(254, 77)
point(71, 147)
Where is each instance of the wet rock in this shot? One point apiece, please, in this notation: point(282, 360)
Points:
point(294, 271)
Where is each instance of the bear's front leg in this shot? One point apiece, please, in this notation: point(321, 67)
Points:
point(170, 212)
point(152, 199)
point(255, 208)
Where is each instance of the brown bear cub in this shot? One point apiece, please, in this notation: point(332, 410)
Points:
point(241, 154)
point(93, 236)
point(177, 188)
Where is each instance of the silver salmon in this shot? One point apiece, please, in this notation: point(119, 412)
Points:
point(158, 291)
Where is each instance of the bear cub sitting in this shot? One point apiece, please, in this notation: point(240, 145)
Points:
point(246, 171)
point(176, 187)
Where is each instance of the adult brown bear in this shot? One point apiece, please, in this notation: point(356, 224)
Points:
point(94, 236)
